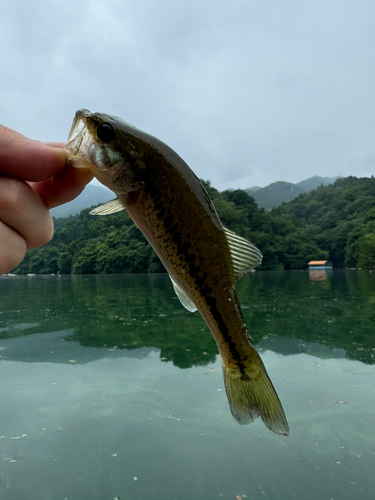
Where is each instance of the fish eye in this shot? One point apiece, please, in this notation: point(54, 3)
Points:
point(105, 132)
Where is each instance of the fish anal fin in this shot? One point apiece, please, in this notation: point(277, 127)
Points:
point(110, 207)
point(184, 299)
point(245, 255)
point(251, 394)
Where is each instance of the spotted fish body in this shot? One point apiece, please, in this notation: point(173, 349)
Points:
point(169, 205)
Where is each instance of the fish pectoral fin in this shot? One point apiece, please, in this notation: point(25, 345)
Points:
point(245, 255)
point(110, 207)
point(184, 299)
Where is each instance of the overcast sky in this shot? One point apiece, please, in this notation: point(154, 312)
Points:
point(248, 92)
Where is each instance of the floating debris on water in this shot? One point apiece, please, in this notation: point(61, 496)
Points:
point(19, 437)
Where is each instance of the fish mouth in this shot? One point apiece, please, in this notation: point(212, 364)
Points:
point(79, 139)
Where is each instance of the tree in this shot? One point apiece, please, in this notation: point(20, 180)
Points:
point(366, 251)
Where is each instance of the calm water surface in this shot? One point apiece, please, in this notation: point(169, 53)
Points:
point(110, 389)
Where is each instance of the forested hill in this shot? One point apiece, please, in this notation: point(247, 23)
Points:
point(335, 222)
point(340, 219)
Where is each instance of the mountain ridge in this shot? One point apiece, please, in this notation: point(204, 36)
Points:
point(280, 192)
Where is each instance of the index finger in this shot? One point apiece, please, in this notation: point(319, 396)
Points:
point(28, 159)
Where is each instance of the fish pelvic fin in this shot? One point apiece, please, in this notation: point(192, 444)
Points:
point(251, 394)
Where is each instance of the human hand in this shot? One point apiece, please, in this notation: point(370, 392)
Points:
point(34, 177)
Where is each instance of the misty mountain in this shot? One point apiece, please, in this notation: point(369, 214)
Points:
point(316, 181)
point(279, 192)
point(91, 196)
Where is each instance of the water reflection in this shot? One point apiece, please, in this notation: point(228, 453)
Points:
point(88, 410)
point(286, 312)
point(319, 274)
point(132, 427)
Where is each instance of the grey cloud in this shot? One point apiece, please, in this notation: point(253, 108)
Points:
point(247, 92)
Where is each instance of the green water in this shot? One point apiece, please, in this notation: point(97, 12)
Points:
point(110, 389)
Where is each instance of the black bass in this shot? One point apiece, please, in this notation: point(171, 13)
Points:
point(167, 202)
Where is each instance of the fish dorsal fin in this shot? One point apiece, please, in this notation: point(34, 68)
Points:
point(245, 255)
point(108, 208)
point(184, 299)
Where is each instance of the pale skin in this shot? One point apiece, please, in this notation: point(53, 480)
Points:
point(34, 177)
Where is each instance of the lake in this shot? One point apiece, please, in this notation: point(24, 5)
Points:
point(110, 389)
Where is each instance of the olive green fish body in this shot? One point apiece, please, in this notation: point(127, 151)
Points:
point(169, 205)
point(196, 256)
point(197, 259)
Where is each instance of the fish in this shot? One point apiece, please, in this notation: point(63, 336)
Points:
point(169, 204)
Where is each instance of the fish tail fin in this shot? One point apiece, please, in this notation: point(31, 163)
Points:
point(251, 394)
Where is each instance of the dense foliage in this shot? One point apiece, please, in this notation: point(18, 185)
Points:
point(335, 222)
point(282, 241)
point(340, 219)
point(89, 245)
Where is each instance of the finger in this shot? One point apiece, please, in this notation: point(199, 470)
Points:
point(22, 210)
point(12, 249)
point(63, 187)
point(59, 145)
point(28, 159)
